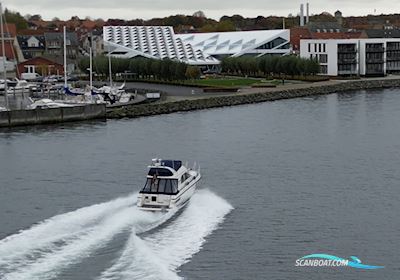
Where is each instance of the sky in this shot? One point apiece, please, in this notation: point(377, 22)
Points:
point(147, 9)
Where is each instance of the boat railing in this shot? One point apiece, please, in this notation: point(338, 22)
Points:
point(196, 167)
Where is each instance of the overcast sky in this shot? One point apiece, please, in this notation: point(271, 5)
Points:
point(146, 9)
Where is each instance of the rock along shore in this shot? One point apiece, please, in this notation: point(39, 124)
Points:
point(248, 98)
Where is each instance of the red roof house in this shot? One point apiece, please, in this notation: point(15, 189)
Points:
point(40, 65)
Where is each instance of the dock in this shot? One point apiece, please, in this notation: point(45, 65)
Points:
point(52, 115)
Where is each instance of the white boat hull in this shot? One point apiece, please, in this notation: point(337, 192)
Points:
point(162, 202)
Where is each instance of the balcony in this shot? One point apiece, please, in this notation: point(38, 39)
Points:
point(394, 48)
point(393, 67)
point(375, 49)
point(374, 60)
point(347, 50)
point(347, 61)
point(393, 58)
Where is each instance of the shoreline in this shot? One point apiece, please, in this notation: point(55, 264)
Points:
point(207, 102)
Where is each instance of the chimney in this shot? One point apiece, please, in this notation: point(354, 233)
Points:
point(301, 14)
point(307, 13)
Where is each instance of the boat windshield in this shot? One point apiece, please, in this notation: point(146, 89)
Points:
point(160, 186)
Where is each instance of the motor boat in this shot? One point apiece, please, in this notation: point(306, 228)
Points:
point(114, 95)
point(169, 185)
point(18, 86)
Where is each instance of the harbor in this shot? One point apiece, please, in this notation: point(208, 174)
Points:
point(280, 180)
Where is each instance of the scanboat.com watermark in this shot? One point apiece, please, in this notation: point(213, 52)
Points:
point(324, 260)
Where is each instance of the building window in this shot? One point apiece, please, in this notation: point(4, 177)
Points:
point(324, 47)
point(315, 47)
point(323, 58)
point(30, 68)
point(319, 47)
point(323, 69)
point(309, 47)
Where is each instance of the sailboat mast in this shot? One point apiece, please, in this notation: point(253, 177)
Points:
point(91, 64)
point(109, 66)
point(65, 57)
point(3, 49)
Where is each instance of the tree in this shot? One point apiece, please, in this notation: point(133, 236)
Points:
point(36, 17)
point(268, 67)
point(192, 72)
point(222, 26)
point(156, 68)
point(199, 14)
point(180, 71)
point(288, 65)
point(16, 18)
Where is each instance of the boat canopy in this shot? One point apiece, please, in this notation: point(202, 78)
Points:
point(174, 164)
point(159, 171)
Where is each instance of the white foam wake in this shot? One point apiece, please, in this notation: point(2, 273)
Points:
point(58, 228)
point(160, 254)
point(42, 251)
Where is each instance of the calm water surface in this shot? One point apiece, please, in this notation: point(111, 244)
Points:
point(280, 180)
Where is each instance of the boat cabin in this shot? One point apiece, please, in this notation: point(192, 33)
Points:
point(164, 177)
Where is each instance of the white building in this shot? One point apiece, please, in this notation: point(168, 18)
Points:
point(363, 57)
point(240, 43)
point(204, 49)
point(156, 42)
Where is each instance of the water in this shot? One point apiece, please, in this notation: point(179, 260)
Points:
point(280, 180)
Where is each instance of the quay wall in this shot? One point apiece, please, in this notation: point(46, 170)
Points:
point(241, 98)
point(52, 115)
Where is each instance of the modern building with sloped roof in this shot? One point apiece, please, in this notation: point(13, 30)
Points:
point(240, 43)
point(157, 42)
point(160, 42)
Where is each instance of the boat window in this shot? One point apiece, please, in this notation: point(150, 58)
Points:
point(162, 186)
point(174, 185)
point(154, 185)
point(184, 177)
point(168, 188)
point(146, 187)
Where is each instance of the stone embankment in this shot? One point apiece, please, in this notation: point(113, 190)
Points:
point(243, 98)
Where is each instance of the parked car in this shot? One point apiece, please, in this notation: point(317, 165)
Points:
point(31, 77)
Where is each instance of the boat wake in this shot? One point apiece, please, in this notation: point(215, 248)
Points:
point(159, 255)
point(48, 248)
